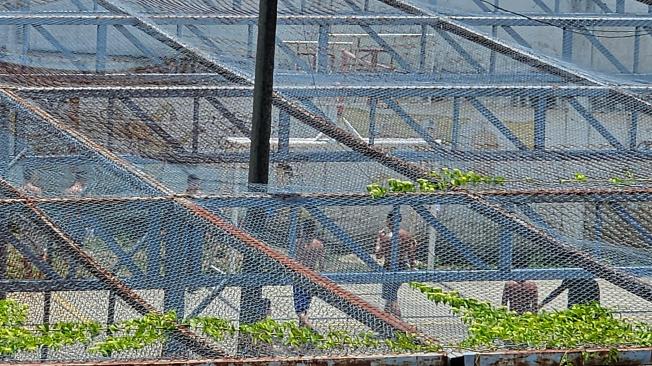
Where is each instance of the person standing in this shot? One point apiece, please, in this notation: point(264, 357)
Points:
point(310, 252)
point(406, 259)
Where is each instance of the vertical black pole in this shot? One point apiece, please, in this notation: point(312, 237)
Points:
point(251, 299)
point(262, 114)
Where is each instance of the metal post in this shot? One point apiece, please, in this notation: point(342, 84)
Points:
point(100, 53)
point(195, 125)
point(373, 104)
point(455, 133)
point(540, 123)
point(506, 249)
point(322, 49)
point(422, 49)
point(620, 6)
point(637, 50)
point(633, 130)
point(284, 135)
point(567, 45)
point(262, 112)
point(251, 304)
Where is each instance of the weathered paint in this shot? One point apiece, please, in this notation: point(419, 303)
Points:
point(589, 357)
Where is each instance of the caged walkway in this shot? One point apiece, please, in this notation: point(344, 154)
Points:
point(124, 130)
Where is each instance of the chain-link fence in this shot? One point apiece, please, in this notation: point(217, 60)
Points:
point(124, 148)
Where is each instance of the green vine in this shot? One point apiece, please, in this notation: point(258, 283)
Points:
point(154, 328)
point(442, 180)
point(492, 327)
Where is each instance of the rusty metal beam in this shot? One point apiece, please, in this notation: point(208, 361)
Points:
point(112, 281)
point(368, 314)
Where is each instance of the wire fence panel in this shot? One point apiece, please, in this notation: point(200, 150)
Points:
point(432, 164)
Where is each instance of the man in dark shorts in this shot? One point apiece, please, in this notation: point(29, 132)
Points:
point(406, 259)
point(580, 291)
point(310, 252)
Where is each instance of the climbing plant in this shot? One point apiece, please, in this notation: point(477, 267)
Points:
point(581, 326)
point(154, 328)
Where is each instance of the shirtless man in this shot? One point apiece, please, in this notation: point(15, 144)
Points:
point(310, 252)
point(406, 259)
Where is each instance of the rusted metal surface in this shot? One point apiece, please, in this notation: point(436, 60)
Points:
point(377, 319)
point(589, 357)
point(434, 359)
point(106, 276)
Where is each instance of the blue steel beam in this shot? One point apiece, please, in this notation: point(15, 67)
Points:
point(634, 223)
point(140, 46)
point(548, 274)
point(412, 123)
point(324, 91)
point(344, 237)
point(501, 20)
point(500, 126)
point(58, 46)
point(604, 51)
point(597, 125)
point(461, 248)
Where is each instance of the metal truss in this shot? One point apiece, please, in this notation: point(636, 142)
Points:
point(244, 242)
point(484, 203)
point(413, 60)
point(541, 99)
point(190, 278)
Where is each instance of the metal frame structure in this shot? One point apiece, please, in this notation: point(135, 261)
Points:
point(298, 102)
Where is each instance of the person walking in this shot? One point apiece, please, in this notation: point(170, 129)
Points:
point(310, 252)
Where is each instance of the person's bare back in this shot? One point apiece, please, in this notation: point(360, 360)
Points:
point(521, 296)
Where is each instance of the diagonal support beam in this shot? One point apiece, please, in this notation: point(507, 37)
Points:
point(544, 63)
point(241, 125)
point(380, 321)
point(500, 126)
point(58, 46)
point(623, 280)
point(597, 125)
point(153, 125)
point(107, 277)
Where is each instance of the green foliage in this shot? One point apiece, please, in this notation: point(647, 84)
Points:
point(442, 180)
point(137, 333)
point(580, 326)
point(153, 328)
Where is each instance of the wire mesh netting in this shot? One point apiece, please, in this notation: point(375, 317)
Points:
point(124, 152)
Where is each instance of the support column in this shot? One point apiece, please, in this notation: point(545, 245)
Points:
point(251, 301)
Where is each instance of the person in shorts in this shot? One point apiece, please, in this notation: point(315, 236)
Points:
point(406, 259)
point(310, 252)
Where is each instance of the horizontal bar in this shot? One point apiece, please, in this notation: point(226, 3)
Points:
point(329, 91)
point(381, 19)
point(342, 278)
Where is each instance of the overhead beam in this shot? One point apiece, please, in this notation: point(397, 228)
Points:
point(218, 91)
point(424, 19)
point(523, 55)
